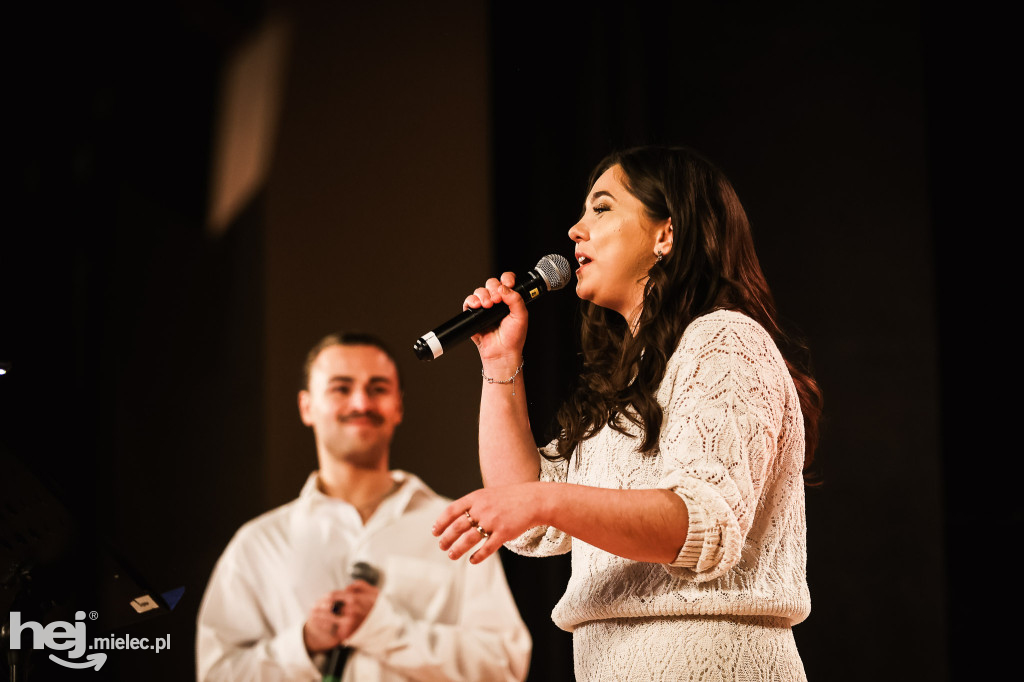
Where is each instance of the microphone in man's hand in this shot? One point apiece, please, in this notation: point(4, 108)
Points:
point(339, 655)
point(551, 272)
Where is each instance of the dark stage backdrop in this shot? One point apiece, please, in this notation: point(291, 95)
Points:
point(398, 153)
point(135, 336)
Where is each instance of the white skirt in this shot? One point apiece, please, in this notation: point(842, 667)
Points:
point(696, 649)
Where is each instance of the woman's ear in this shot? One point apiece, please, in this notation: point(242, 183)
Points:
point(663, 238)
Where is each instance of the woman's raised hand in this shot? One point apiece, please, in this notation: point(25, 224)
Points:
point(504, 343)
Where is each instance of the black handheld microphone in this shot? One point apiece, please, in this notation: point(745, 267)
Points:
point(339, 655)
point(551, 273)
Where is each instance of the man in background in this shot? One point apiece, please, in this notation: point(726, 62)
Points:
point(287, 599)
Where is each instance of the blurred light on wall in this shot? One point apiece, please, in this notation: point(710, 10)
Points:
point(246, 121)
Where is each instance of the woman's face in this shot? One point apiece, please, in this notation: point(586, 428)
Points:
point(615, 246)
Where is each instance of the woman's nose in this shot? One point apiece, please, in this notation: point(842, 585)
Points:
point(576, 232)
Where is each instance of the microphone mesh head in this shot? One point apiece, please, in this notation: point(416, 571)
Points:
point(364, 571)
point(554, 269)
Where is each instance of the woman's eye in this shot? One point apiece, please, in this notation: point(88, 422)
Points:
point(600, 209)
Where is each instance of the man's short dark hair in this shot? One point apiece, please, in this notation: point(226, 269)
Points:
point(347, 339)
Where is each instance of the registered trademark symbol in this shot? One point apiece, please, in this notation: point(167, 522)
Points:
point(93, 615)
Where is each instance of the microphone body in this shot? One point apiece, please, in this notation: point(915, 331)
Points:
point(551, 273)
point(338, 657)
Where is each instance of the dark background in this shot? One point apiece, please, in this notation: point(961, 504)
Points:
point(420, 149)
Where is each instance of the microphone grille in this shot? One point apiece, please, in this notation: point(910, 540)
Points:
point(364, 571)
point(555, 271)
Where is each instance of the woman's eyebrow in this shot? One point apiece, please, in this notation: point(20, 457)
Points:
point(599, 193)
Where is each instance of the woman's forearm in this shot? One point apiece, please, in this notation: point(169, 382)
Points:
point(508, 453)
point(643, 525)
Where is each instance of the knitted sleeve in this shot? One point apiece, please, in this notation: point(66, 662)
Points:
point(545, 540)
point(724, 396)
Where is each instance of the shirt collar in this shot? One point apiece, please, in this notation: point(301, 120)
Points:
point(411, 488)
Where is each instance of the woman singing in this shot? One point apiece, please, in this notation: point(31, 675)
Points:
point(677, 478)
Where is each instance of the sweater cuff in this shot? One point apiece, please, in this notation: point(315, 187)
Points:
point(541, 541)
point(713, 537)
point(689, 553)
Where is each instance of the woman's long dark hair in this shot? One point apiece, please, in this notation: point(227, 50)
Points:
point(711, 266)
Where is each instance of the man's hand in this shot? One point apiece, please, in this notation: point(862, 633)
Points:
point(327, 626)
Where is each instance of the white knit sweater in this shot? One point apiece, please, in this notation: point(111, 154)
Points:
point(732, 447)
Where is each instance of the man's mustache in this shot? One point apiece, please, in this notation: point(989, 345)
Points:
point(374, 417)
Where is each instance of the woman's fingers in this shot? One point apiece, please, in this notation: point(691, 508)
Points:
point(479, 537)
point(501, 289)
point(448, 515)
point(460, 532)
point(465, 542)
point(510, 296)
point(455, 530)
point(487, 549)
point(480, 297)
point(493, 291)
point(508, 336)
